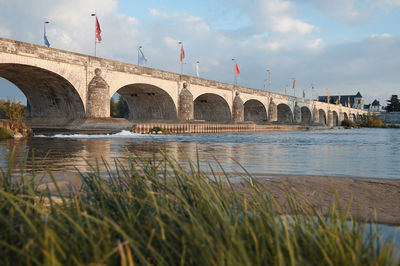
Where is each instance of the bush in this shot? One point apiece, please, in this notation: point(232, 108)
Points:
point(369, 120)
point(4, 133)
point(347, 123)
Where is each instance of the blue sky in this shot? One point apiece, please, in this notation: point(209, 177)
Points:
point(343, 46)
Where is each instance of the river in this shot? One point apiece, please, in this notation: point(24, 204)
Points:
point(338, 152)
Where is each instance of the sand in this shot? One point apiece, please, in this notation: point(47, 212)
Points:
point(369, 194)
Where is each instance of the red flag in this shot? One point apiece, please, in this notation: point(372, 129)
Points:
point(182, 53)
point(294, 82)
point(98, 30)
point(237, 71)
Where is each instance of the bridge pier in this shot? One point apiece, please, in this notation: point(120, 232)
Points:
point(297, 114)
point(186, 105)
point(341, 117)
point(238, 109)
point(98, 98)
point(330, 118)
point(315, 116)
point(272, 112)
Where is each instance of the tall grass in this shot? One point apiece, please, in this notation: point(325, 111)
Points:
point(156, 212)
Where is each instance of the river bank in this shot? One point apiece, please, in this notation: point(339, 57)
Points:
point(367, 196)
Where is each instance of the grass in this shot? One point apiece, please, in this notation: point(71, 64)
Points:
point(156, 212)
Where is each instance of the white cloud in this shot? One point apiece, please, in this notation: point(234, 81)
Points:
point(276, 37)
point(155, 13)
point(290, 25)
point(315, 45)
point(170, 42)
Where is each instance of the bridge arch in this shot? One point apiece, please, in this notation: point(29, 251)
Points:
point(345, 116)
point(255, 111)
point(285, 115)
point(49, 94)
point(305, 115)
point(335, 119)
point(322, 117)
point(147, 102)
point(211, 107)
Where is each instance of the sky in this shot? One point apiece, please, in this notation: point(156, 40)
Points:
point(340, 46)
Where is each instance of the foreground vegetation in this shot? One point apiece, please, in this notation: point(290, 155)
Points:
point(156, 212)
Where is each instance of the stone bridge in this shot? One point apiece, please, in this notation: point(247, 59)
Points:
point(62, 87)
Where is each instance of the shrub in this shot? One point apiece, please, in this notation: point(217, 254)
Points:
point(4, 133)
point(347, 123)
point(369, 120)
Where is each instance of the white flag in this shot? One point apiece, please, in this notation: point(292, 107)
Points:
point(197, 70)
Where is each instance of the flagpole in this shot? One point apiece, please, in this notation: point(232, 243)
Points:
point(94, 15)
point(268, 78)
point(44, 30)
point(234, 74)
point(138, 51)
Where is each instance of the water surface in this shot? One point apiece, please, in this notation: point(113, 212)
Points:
point(339, 152)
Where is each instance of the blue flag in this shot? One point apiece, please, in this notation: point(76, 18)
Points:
point(46, 41)
point(141, 59)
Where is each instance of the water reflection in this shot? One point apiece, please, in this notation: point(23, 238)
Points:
point(362, 152)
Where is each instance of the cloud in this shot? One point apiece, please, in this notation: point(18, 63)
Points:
point(275, 37)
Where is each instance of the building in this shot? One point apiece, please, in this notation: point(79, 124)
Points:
point(375, 106)
point(355, 101)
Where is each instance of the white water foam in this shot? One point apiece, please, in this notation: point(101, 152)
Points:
point(122, 134)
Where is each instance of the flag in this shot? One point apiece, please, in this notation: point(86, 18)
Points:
point(294, 83)
point(348, 102)
point(269, 77)
point(339, 99)
point(197, 69)
point(142, 58)
point(182, 53)
point(46, 41)
point(327, 99)
point(98, 30)
point(237, 71)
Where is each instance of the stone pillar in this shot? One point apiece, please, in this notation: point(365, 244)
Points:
point(272, 112)
point(297, 114)
point(98, 99)
point(237, 109)
point(186, 105)
point(330, 118)
point(340, 118)
point(315, 116)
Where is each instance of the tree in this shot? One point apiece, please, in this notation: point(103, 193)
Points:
point(16, 113)
point(121, 107)
point(393, 104)
point(113, 107)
